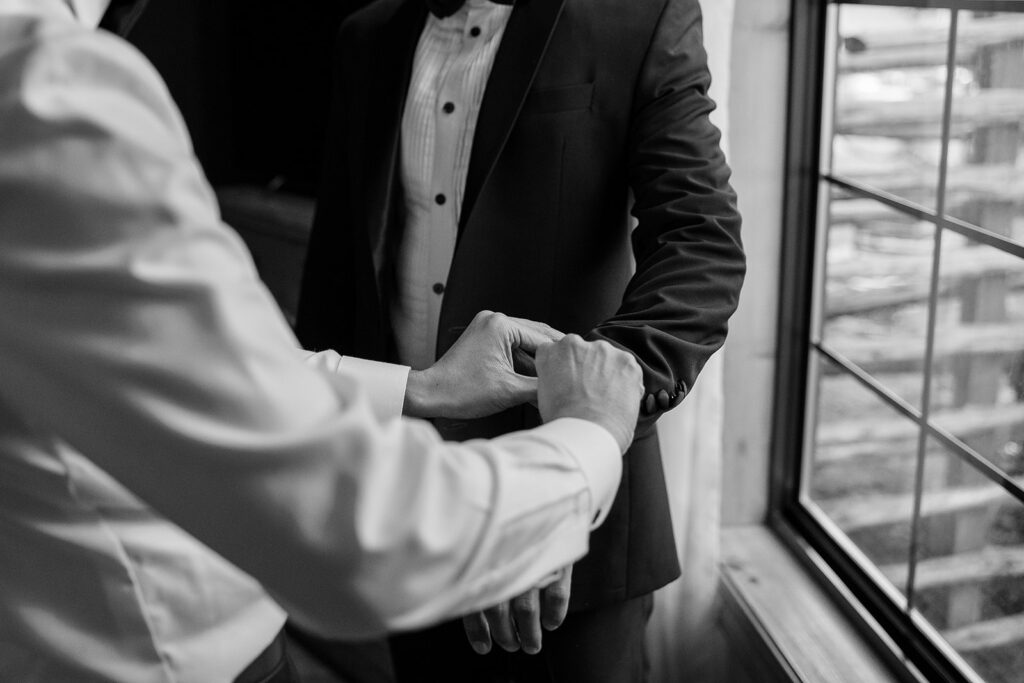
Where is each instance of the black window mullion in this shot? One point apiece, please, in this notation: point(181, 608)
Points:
point(919, 212)
point(951, 442)
point(933, 297)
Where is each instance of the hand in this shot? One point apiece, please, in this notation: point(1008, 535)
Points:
point(590, 380)
point(517, 624)
point(477, 376)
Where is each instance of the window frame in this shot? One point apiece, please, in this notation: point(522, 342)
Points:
point(898, 636)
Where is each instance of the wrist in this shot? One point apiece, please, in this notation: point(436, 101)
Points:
point(622, 434)
point(423, 395)
point(416, 395)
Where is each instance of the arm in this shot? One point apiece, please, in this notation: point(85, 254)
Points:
point(690, 262)
point(475, 377)
point(135, 329)
point(690, 265)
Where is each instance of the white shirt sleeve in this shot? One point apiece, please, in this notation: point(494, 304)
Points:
point(384, 383)
point(135, 329)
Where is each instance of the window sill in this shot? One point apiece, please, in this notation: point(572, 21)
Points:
point(794, 628)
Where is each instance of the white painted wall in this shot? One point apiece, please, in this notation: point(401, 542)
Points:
point(757, 124)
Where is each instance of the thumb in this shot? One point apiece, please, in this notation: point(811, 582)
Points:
point(523, 389)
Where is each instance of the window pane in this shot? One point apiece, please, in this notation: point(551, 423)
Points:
point(861, 470)
point(877, 278)
point(977, 391)
point(986, 179)
point(889, 93)
point(970, 575)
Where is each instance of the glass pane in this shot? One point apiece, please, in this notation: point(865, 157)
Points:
point(889, 94)
point(970, 575)
point(977, 389)
point(986, 174)
point(861, 470)
point(877, 278)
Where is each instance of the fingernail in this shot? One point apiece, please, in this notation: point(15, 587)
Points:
point(480, 648)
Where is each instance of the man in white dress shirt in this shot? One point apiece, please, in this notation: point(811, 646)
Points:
point(175, 474)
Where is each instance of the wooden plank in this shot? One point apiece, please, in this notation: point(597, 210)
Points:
point(851, 282)
point(901, 49)
point(987, 564)
point(898, 351)
point(845, 439)
point(792, 613)
point(986, 635)
point(920, 117)
point(874, 510)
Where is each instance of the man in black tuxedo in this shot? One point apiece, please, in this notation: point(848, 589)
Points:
point(487, 156)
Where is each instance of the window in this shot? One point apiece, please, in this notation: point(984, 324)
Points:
point(901, 461)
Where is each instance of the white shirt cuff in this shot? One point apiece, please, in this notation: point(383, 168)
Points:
point(597, 453)
point(384, 383)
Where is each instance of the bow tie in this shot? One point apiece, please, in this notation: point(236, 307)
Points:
point(446, 8)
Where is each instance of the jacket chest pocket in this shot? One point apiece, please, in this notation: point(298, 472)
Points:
point(561, 99)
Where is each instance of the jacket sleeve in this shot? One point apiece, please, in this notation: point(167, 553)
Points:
point(689, 258)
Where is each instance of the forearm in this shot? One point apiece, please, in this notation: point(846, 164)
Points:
point(690, 260)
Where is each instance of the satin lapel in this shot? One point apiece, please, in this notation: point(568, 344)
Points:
point(386, 100)
point(526, 39)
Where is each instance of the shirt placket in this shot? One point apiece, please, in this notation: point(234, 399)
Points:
point(450, 117)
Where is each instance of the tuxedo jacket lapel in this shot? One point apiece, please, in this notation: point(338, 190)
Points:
point(526, 39)
point(385, 103)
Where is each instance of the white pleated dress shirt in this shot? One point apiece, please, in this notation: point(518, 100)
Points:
point(160, 430)
point(453, 60)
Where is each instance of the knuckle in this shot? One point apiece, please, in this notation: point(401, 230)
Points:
point(527, 609)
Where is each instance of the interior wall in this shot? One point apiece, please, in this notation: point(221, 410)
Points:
point(252, 79)
point(757, 124)
point(186, 41)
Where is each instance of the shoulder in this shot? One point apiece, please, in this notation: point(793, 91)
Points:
point(62, 74)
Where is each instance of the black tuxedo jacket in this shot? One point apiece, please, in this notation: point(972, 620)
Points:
point(594, 109)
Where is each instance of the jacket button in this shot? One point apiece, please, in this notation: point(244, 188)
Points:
point(438, 288)
point(440, 199)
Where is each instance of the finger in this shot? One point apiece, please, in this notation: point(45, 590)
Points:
point(477, 632)
point(499, 619)
point(555, 600)
point(523, 363)
point(663, 400)
point(530, 334)
point(526, 613)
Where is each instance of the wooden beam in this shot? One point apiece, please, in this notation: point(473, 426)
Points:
point(987, 635)
point(845, 439)
point(987, 564)
point(900, 49)
point(920, 118)
point(873, 510)
point(890, 351)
